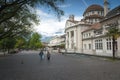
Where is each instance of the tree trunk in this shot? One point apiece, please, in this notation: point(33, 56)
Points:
point(113, 44)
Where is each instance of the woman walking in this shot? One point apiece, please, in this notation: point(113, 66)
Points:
point(48, 55)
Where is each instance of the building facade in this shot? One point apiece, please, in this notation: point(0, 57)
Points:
point(88, 35)
point(57, 41)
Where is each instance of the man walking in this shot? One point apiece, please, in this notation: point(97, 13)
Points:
point(41, 54)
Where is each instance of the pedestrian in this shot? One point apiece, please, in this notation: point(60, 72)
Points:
point(41, 54)
point(48, 55)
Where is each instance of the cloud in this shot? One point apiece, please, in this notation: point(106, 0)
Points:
point(49, 25)
point(64, 6)
point(41, 13)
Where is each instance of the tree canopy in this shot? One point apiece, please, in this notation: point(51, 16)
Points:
point(35, 41)
point(16, 17)
point(114, 33)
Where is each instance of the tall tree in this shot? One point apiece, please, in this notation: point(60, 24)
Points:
point(16, 17)
point(114, 32)
point(35, 41)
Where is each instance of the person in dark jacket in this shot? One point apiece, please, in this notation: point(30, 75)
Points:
point(41, 54)
point(48, 55)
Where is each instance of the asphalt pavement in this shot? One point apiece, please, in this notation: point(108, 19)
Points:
point(27, 65)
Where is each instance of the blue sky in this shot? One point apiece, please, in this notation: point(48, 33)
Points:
point(49, 24)
point(77, 7)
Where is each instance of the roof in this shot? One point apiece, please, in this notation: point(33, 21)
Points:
point(73, 21)
point(94, 7)
point(95, 26)
point(94, 16)
point(113, 12)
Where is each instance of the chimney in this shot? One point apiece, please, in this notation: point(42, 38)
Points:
point(71, 17)
point(106, 8)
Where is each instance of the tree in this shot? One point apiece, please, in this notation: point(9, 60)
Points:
point(16, 17)
point(113, 32)
point(35, 41)
point(20, 24)
point(7, 44)
point(62, 46)
point(20, 43)
point(9, 8)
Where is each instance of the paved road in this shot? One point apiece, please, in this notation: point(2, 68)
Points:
point(28, 66)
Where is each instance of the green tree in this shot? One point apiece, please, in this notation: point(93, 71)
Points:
point(113, 32)
point(20, 43)
point(7, 44)
point(62, 46)
point(35, 41)
point(19, 25)
point(16, 16)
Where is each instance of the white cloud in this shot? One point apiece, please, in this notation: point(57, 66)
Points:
point(49, 25)
point(64, 6)
point(41, 13)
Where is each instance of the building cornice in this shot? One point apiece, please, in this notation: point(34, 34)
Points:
point(101, 36)
point(76, 25)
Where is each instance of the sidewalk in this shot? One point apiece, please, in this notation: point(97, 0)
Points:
point(2, 54)
point(90, 55)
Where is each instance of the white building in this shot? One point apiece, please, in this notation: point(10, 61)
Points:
point(56, 41)
point(88, 35)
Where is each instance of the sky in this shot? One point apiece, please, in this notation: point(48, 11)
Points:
point(51, 26)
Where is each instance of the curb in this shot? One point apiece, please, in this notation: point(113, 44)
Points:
point(110, 57)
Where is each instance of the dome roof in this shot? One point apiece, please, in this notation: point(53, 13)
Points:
point(94, 7)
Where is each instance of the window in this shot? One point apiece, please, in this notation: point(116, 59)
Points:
point(98, 44)
point(89, 34)
point(86, 35)
point(109, 44)
point(72, 33)
point(84, 46)
point(98, 32)
point(89, 46)
point(98, 13)
point(83, 35)
point(68, 34)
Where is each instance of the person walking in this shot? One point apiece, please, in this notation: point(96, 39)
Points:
point(48, 55)
point(41, 54)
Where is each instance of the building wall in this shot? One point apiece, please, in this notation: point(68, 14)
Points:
point(57, 40)
point(76, 39)
point(118, 40)
point(79, 36)
point(89, 42)
point(87, 47)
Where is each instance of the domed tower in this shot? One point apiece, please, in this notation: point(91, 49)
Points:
point(106, 7)
point(93, 14)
